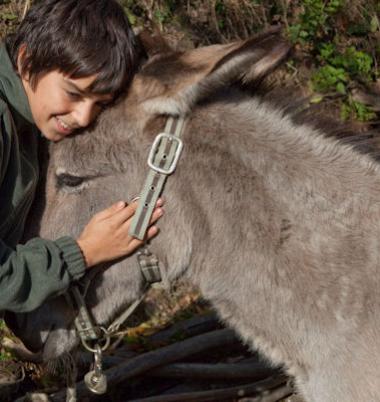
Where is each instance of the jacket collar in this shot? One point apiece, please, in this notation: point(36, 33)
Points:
point(12, 90)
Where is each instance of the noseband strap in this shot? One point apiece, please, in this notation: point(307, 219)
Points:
point(84, 323)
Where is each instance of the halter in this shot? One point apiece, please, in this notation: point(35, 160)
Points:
point(162, 161)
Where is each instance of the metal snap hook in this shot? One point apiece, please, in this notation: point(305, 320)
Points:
point(106, 338)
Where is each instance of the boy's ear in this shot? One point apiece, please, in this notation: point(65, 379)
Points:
point(20, 59)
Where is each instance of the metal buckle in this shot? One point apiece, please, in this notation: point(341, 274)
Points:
point(155, 148)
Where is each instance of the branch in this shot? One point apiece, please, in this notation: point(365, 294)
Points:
point(261, 387)
point(253, 371)
point(193, 326)
point(156, 358)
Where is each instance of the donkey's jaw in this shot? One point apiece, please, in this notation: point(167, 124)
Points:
point(59, 342)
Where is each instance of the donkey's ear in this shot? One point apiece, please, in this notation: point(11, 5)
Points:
point(153, 42)
point(187, 78)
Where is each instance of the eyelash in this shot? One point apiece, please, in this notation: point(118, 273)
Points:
point(77, 97)
point(103, 105)
point(73, 95)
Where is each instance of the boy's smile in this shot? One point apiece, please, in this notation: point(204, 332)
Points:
point(60, 104)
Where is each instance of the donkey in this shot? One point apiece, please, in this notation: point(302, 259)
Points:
point(276, 221)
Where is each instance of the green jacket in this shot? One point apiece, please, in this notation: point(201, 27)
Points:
point(31, 272)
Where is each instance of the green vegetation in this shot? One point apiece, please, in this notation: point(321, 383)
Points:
point(337, 42)
point(10, 12)
point(315, 20)
point(339, 39)
point(340, 51)
point(5, 355)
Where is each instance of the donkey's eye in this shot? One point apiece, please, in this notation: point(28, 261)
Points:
point(68, 180)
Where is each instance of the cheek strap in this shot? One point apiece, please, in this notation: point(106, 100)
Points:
point(162, 161)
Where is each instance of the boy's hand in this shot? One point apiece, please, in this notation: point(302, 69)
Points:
point(106, 237)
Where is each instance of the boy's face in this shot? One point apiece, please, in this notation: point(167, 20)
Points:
point(61, 104)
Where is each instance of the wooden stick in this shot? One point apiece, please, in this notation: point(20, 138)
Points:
point(263, 387)
point(20, 351)
point(254, 371)
point(193, 326)
point(190, 327)
point(274, 395)
point(156, 358)
point(26, 8)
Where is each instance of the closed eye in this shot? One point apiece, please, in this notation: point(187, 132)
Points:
point(73, 95)
point(68, 180)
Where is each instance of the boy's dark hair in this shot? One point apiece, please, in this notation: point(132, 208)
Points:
point(79, 38)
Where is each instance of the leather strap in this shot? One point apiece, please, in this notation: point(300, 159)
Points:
point(162, 161)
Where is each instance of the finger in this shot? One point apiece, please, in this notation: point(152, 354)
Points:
point(152, 231)
point(160, 202)
point(134, 244)
point(106, 213)
point(124, 214)
point(157, 214)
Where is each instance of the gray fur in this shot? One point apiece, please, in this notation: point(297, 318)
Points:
point(275, 221)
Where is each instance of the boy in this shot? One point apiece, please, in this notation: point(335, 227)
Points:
point(68, 60)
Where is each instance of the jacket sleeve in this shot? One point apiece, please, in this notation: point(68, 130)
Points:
point(37, 270)
point(32, 272)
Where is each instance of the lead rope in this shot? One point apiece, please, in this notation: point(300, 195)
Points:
point(95, 380)
point(71, 377)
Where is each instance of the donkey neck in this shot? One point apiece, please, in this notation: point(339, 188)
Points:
point(278, 225)
point(271, 205)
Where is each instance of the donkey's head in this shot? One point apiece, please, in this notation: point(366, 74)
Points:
point(107, 163)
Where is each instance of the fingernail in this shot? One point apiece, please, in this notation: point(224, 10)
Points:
point(160, 211)
point(154, 230)
point(120, 204)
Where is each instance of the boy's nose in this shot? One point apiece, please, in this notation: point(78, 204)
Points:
point(84, 113)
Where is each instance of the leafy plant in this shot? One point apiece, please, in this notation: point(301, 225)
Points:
point(338, 64)
point(341, 68)
point(8, 16)
point(329, 78)
point(314, 20)
point(351, 109)
point(358, 64)
point(220, 11)
point(338, 73)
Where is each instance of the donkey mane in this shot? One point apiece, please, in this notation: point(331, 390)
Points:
point(291, 108)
